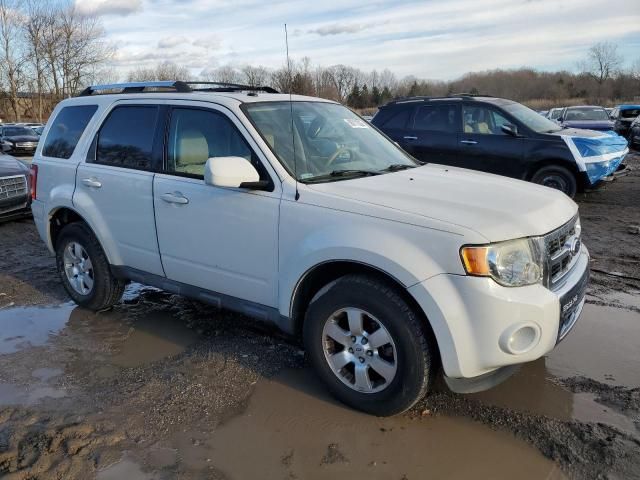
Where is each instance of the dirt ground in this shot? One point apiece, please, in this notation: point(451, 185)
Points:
point(161, 387)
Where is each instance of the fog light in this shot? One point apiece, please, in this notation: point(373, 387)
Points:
point(520, 339)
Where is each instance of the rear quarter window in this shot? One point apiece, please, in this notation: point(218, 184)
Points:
point(66, 130)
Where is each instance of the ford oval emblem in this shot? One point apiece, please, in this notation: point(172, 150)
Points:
point(575, 246)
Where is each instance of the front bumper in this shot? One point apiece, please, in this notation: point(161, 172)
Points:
point(596, 171)
point(482, 327)
point(26, 150)
point(15, 198)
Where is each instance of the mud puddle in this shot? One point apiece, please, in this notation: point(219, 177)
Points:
point(147, 339)
point(603, 348)
point(22, 327)
point(293, 429)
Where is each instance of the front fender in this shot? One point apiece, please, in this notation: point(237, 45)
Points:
point(408, 253)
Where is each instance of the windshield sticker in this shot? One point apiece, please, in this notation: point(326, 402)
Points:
point(356, 123)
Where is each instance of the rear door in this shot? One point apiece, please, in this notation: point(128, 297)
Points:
point(395, 123)
point(483, 144)
point(114, 186)
point(220, 239)
point(433, 133)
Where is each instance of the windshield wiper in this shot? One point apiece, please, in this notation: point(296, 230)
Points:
point(397, 167)
point(343, 173)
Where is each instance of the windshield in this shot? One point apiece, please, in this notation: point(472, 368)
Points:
point(630, 113)
point(555, 113)
point(586, 113)
point(531, 118)
point(328, 139)
point(17, 131)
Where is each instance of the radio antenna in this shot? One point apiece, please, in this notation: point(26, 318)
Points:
point(293, 138)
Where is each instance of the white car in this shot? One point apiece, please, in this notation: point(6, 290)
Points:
point(298, 212)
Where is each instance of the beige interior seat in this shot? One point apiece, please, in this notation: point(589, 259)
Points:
point(483, 127)
point(192, 152)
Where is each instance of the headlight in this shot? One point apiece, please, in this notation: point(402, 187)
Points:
point(513, 263)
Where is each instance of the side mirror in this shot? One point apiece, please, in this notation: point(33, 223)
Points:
point(510, 130)
point(232, 172)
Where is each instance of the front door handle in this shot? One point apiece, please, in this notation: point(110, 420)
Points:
point(469, 142)
point(92, 182)
point(175, 197)
point(410, 137)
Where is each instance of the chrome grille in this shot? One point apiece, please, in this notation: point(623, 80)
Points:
point(12, 187)
point(26, 144)
point(562, 247)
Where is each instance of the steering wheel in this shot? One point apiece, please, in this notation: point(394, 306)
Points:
point(337, 154)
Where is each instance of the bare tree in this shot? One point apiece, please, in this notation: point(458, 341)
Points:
point(255, 76)
point(34, 33)
point(344, 78)
point(12, 60)
point(602, 63)
point(82, 48)
point(224, 74)
point(163, 71)
point(634, 71)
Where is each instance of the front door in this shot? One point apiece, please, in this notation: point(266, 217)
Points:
point(484, 146)
point(219, 239)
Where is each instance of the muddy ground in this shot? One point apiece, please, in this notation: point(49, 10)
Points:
point(161, 387)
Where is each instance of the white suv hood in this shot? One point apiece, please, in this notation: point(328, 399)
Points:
point(496, 207)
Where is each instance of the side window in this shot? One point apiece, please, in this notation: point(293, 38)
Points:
point(483, 120)
point(438, 118)
point(126, 137)
point(66, 130)
point(398, 119)
point(196, 135)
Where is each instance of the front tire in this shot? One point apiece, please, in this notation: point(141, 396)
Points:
point(558, 178)
point(368, 346)
point(84, 269)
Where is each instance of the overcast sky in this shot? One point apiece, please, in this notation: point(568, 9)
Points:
point(436, 39)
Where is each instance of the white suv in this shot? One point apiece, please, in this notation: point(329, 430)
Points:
point(298, 212)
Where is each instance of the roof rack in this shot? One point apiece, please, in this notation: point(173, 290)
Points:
point(174, 86)
point(470, 95)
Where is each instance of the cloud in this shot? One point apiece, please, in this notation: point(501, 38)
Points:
point(428, 39)
point(340, 28)
point(108, 7)
point(210, 42)
point(173, 41)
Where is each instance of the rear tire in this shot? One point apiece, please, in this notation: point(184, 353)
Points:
point(389, 366)
point(558, 178)
point(84, 269)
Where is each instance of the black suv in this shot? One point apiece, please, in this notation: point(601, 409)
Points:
point(489, 134)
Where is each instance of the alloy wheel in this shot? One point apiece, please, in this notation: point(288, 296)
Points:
point(359, 350)
point(78, 268)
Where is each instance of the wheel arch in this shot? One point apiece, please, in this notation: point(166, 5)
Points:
point(62, 216)
point(320, 276)
point(547, 162)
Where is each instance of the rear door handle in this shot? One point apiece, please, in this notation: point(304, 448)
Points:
point(91, 182)
point(410, 137)
point(469, 142)
point(175, 197)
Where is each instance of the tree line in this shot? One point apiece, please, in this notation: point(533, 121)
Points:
point(600, 78)
point(48, 51)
